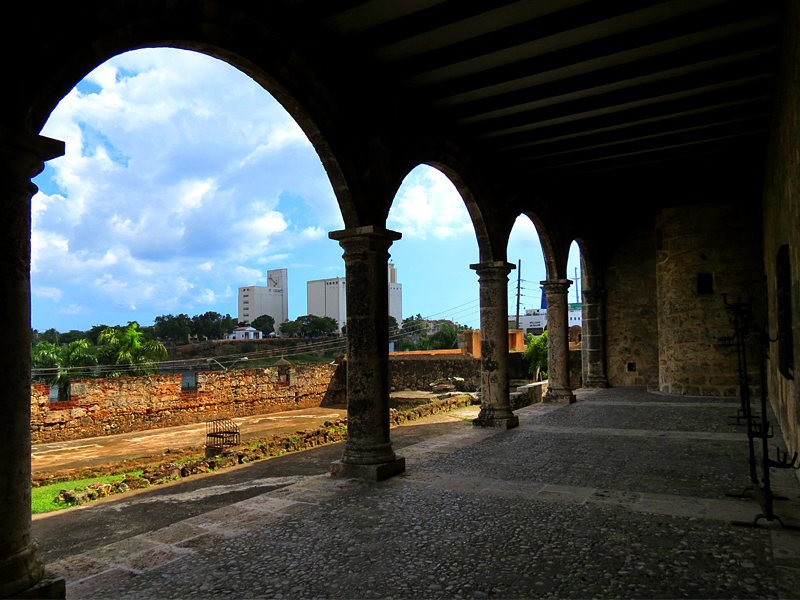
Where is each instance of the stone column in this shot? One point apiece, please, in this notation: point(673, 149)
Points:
point(558, 389)
point(22, 156)
point(368, 450)
point(495, 407)
point(594, 338)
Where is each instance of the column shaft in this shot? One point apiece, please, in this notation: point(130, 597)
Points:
point(495, 406)
point(594, 338)
point(22, 156)
point(558, 389)
point(368, 450)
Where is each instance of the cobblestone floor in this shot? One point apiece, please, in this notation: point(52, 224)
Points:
point(574, 503)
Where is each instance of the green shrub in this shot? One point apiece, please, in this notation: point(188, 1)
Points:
point(535, 355)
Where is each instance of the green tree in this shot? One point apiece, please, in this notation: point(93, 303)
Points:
point(446, 338)
point(321, 325)
point(393, 326)
point(265, 324)
point(129, 353)
point(291, 327)
point(413, 323)
point(174, 328)
point(51, 335)
point(94, 333)
point(535, 354)
point(63, 363)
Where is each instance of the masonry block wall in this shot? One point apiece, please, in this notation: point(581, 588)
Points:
point(107, 406)
point(781, 222)
point(631, 329)
point(704, 253)
point(416, 372)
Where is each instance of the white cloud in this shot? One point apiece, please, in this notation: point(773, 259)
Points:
point(274, 258)
point(75, 309)
point(243, 274)
point(428, 204)
point(52, 293)
point(180, 168)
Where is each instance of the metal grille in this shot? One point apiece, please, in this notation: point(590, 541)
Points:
point(222, 433)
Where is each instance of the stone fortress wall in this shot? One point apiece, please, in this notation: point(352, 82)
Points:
point(107, 406)
point(118, 405)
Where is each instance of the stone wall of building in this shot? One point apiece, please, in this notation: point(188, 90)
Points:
point(107, 406)
point(631, 329)
point(781, 220)
point(575, 368)
point(707, 254)
point(416, 372)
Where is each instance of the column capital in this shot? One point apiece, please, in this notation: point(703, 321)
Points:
point(556, 286)
point(44, 148)
point(594, 295)
point(499, 265)
point(366, 232)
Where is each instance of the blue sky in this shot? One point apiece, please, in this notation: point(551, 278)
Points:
point(183, 180)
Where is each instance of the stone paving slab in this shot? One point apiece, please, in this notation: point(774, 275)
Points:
point(706, 418)
point(680, 466)
point(483, 514)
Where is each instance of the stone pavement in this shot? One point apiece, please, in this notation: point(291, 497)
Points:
point(619, 495)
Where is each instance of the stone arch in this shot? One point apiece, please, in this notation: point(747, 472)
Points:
point(228, 36)
point(452, 163)
point(551, 262)
point(588, 267)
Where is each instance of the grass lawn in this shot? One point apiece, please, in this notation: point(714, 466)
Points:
point(42, 497)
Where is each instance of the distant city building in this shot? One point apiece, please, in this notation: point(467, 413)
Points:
point(535, 319)
point(272, 299)
point(328, 298)
point(244, 333)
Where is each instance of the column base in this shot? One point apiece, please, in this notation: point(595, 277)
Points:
point(496, 422)
point(374, 473)
point(600, 382)
point(559, 397)
point(49, 587)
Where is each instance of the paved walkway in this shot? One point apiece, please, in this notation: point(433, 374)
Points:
point(619, 495)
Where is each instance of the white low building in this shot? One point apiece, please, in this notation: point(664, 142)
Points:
point(244, 333)
point(535, 319)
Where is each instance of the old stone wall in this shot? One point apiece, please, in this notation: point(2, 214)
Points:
point(575, 368)
point(631, 328)
point(707, 254)
point(416, 372)
point(107, 406)
point(781, 223)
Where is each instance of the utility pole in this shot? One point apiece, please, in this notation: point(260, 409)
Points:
point(519, 281)
point(577, 297)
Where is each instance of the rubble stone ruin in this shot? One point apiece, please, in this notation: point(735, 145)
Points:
point(661, 136)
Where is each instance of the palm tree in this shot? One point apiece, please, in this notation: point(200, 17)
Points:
point(125, 350)
point(63, 363)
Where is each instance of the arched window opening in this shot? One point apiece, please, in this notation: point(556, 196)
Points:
point(430, 265)
point(183, 183)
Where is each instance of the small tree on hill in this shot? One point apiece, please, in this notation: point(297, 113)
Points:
point(264, 323)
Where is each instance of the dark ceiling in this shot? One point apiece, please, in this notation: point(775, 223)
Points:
point(564, 87)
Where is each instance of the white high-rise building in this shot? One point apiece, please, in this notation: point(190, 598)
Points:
point(328, 298)
point(272, 299)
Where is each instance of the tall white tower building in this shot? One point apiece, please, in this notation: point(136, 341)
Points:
point(272, 299)
point(328, 298)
